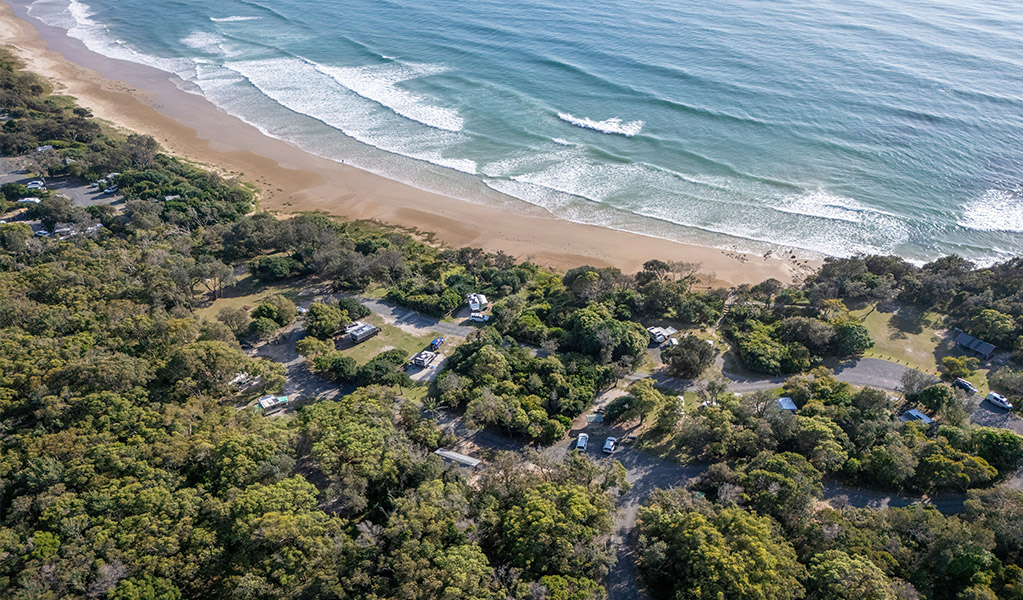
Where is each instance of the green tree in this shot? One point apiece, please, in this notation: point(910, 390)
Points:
point(835, 575)
point(959, 366)
point(851, 338)
point(264, 328)
point(642, 400)
point(936, 397)
point(336, 366)
point(237, 319)
point(993, 326)
point(323, 321)
point(1002, 448)
point(690, 357)
point(274, 268)
point(278, 309)
point(145, 588)
point(690, 552)
point(550, 530)
point(204, 367)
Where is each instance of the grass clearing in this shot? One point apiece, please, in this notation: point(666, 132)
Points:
point(248, 291)
point(389, 337)
point(907, 336)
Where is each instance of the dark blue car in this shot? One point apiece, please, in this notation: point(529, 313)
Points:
point(436, 343)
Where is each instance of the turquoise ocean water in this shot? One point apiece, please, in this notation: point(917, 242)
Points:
point(837, 127)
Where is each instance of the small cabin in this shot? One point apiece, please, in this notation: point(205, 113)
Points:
point(785, 403)
point(460, 460)
point(659, 335)
point(915, 415)
point(979, 347)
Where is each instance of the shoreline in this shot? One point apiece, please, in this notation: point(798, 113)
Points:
point(291, 180)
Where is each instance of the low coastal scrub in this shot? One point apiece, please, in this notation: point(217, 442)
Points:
point(781, 339)
point(840, 432)
point(507, 386)
point(743, 543)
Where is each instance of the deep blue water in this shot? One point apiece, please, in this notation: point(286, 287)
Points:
point(833, 126)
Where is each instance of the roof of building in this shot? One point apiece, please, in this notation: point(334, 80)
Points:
point(968, 341)
point(786, 403)
point(461, 459)
point(915, 415)
point(272, 401)
point(665, 331)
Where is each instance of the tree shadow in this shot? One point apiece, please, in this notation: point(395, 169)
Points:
point(906, 321)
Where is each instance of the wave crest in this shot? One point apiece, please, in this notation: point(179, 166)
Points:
point(233, 19)
point(613, 125)
point(379, 83)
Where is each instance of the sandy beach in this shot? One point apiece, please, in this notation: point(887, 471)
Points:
point(142, 99)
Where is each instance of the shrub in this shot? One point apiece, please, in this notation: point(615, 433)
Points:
point(323, 321)
point(690, 357)
point(851, 338)
point(354, 309)
point(264, 328)
point(335, 366)
point(278, 309)
point(959, 366)
point(274, 268)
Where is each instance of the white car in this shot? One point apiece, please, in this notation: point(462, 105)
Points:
point(610, 445)
point(582, 442)
point(36, 185)
point(479, 317)
point(999, 400)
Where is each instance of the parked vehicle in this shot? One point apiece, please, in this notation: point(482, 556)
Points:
point(477, 302)
point(582, 442)
point(363, 332)
point(36, 185)
point(436, 344)
point(999, 401)
point(965, 385)
point(479, 317)
point(610, 445)
point(424, 358)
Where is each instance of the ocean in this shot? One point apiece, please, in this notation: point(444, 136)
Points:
point(830, 127)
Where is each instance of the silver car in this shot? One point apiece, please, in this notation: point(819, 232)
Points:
point(610, 445)
point(582, 442)
point(999, 400)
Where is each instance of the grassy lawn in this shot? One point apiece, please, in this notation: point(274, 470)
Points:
point(377, 291)
point(907, 336)
point(250, 292)
point(390, 337)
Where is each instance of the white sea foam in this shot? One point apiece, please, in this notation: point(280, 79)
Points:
point(304, 88)
point(562, 142)
point(612, 125)
point(76, 17)
point(233, 19)
point(827, 205)
point(995, 210)
point(379, 83)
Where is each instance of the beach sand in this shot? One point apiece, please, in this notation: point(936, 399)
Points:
point(291, 180)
